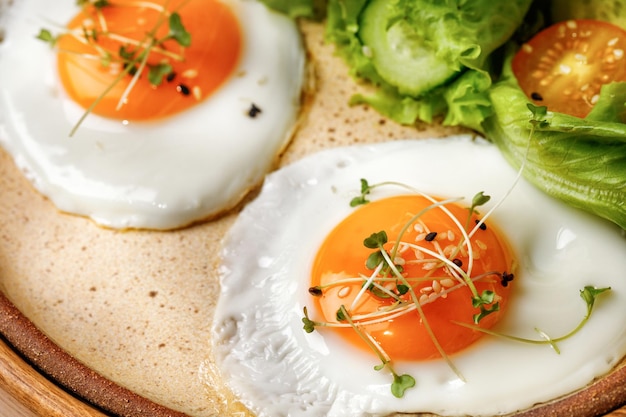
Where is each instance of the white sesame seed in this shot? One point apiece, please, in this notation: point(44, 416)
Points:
point(197, 92)
point(420, 237)
point(595, 98)
point(571, 24)
point(190, 73)
point(448, 282)
point(418, 228)
point(367, 51)
point(481, 244)
point(423, 299)
point(618, 53)
point(450, 235)
point(343, 292)
point(612, 42)
point(429, 266)
point(565, 69)
point(436, 286)
point(426, 290)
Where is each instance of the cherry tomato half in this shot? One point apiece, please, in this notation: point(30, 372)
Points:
point(564, 66)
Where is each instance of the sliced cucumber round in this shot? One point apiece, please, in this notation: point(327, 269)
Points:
point(400, 55)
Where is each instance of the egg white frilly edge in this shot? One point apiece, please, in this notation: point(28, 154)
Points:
point(277, 369)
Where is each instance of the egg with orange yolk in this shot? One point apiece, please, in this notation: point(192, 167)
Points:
point(436, 262)
point(300, 245)
point(176, 109)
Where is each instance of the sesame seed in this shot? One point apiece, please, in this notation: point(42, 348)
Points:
point(420, 237)
point(343, 292)
point(457, 262)
point(450, 235)
point(190, 73)
point(197, 92)
point(536, 96)
point(418, 228)
point(254, 111)
point(170, 77)
point(482, 226)
point(565, 69)
point(430, 236)
point(436, 286)
point(423, 299)
point(183, 89)
point(481, 244)
point(448, 282)
point(618, 53)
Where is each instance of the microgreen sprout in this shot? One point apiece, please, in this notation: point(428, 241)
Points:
point(589, 294)
point(389, 281)
point(133, 54)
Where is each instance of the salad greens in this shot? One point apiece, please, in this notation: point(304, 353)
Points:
point(580, 161)
point(433, 59)
point(428, 58)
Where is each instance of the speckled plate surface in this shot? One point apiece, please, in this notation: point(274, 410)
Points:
point(122, 318)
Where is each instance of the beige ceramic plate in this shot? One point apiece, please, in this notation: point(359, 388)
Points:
point(122, 319)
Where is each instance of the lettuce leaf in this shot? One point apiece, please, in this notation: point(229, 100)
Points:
point(296, 8)
point(579, 161)
point(462, 34)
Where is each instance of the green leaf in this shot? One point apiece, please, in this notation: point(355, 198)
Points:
point(158, 72)
point(340, 316)
point(480, 199)
point(374, 260)
point(358, 201)
point(126, 53)
point(178, 31)
point(47, 36)
point(376, 240)
point(484, 312)
point(402, 289)
point(309, 325)
point(589, 294)
point(365, 189)
point(486, 297)
point(400, 384)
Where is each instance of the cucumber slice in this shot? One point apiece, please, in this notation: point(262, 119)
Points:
point(401, 56)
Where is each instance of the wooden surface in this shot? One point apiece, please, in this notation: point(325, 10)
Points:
point(24, 392)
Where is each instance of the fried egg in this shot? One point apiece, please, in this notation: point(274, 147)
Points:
point(267, 270)
point(153, 155)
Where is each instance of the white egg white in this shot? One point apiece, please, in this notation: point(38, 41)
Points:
point(161, 174)
point(279, 370)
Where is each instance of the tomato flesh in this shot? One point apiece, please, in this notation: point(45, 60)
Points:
point(564, 66)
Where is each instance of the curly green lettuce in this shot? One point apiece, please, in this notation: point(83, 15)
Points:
point(579, 161)
point(428, 58)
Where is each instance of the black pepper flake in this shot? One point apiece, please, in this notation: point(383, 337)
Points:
point(254, 111)
point(430, 237)
point(506, 278)
point(482, 226)
point(457, 262)
point(183, 89)
point(536, 96)
point(315, 291)
point(170, 77)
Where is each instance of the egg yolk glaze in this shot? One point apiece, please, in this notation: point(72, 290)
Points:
point(439, 271)
point(179, 63)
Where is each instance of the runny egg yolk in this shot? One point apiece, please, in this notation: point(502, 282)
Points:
point(90, 58)
point(444, 297)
